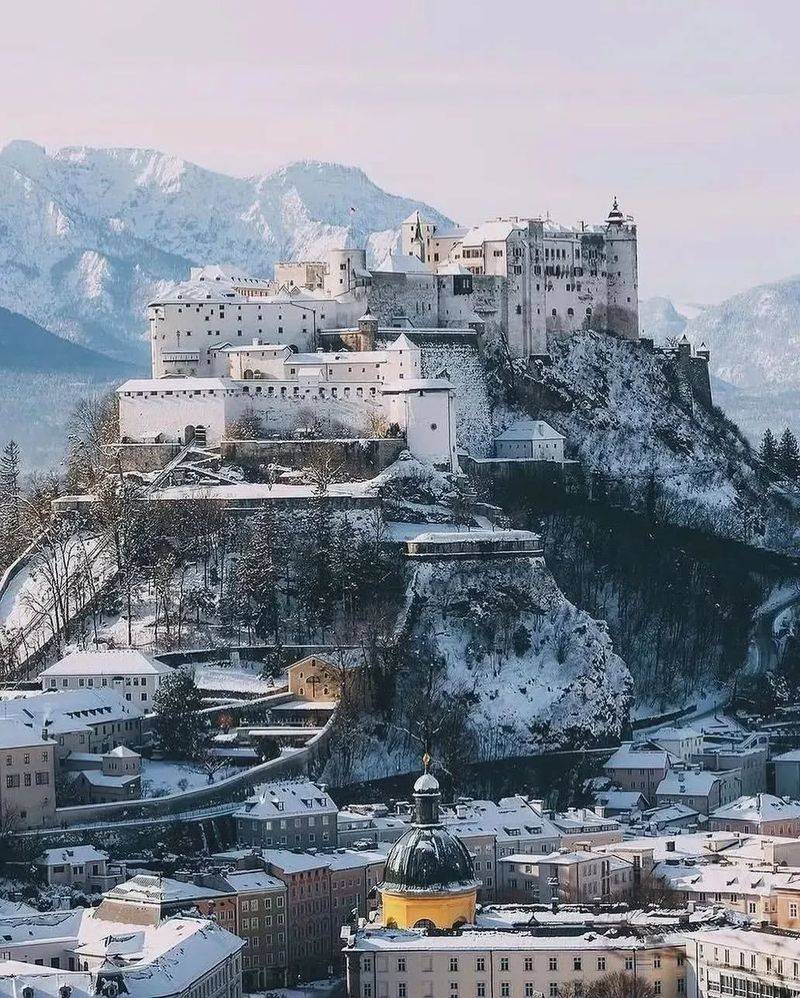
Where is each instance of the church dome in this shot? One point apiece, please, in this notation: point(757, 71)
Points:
point(428, 859)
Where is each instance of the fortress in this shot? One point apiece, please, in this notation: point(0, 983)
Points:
point(362, 350)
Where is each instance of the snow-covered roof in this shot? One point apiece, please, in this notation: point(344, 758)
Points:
point(70, 710)
point(688, 782)
point(452, 267)
point(176, 385)
point(287, 799)
point(673, 734)
point(259, 347)
point(759, 807)
point(530, 429)
point(71, 855)
point(417, 385)
point(401, 343)
point(116, 662)
point(253, 880)
point(490, 232)
point(792, 756)
point(401, 263)
point(15, 734)
point(123, 752)
point(622, 800)
point(146, 889)
point(639, 755)
point(480, 534)
point(96, 778)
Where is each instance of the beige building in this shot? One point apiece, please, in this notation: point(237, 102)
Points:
point(762, 814)
point(495, 959)
point(27, 776)
point(730, 961)
point(570, 876)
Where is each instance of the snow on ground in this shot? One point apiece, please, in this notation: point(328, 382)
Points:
point(244, 678)
point(161, 777)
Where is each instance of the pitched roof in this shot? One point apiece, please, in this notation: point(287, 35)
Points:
point(117, 661)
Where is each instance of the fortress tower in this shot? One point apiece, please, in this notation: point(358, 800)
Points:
point(622, 275)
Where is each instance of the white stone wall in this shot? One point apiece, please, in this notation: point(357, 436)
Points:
point(167, 412)
point(428, 417)
point(203, 327)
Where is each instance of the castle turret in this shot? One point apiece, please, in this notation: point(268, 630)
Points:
point(367, 331)
point(429, 879)
point(622, 274)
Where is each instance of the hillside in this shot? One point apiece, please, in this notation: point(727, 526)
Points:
point(643, 443)
point(496, 663)
point(753, 338)
point(26, 346)
point(88, 236)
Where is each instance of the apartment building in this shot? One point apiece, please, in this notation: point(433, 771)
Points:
point(294, 814)
point(570, 876)
point(639, 766)
point(27, 777)
point(762, 814)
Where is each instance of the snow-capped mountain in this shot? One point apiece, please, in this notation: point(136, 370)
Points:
point(87, 236)
point(753, 336)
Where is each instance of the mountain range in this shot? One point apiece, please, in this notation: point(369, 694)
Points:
point(754, 339)
point(88, 236)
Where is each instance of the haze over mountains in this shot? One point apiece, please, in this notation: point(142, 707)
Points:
point(754, 338)
point(88, 236)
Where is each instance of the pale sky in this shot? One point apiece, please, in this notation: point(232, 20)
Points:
point(688, 110)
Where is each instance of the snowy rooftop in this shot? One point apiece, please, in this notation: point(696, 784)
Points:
point(70, 710)
point(489, 232)
point(295, 797)
point(530, 429)
point(75, 854)
point(688, 782)
point(400, 263)
point(639, 755)
point(792, 756)
point(619, 799)
point(98, 779)
point(15, 734)
point(176, 385)
point(117, 662)
point(760, 807)
point(459, 536)
point(253, 880)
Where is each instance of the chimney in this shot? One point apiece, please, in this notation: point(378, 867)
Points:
point(670, 845)
point(600, 810)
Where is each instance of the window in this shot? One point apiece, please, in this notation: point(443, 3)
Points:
point(553, 990)
point(453, 964)
point(576, 963)
point(601, 963)
point(657, 987)
point(629, 963)
point(552, 963)
point(401, 990)
point(401, 965)
point(12, 781)
point(657, 962)
point(480, 990)
point(530, 991)
point(505, 990)
point(792, 911)
point(480, 964)
point(528, 963)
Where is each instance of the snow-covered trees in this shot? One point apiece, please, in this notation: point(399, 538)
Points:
point(769, 448)
point(788, 455)
point(176, 703)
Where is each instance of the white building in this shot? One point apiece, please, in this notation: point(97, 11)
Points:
point(84, 954)
point(134, 675)
point(78, 866)
point(682, 742)
point(558, 279)
point(361, 393)
point(530, 440)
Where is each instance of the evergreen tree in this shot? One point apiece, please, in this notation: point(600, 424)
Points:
point(769, 448)
point(788, 458)
point(9, 490)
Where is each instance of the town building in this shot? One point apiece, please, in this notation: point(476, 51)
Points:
point(294, 814)
point(84, 953)
point(132, 674)
point(639, 766)
point(734, 961)
point(762, 814)
point(579, 876)
point(530, 440)
point(27, 777)
point(79, 721)
point(82, 866)
point(683, 742)
point(699, 789)
point(787, 774)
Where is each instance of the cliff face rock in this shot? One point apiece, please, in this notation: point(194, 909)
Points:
point(537, 672)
